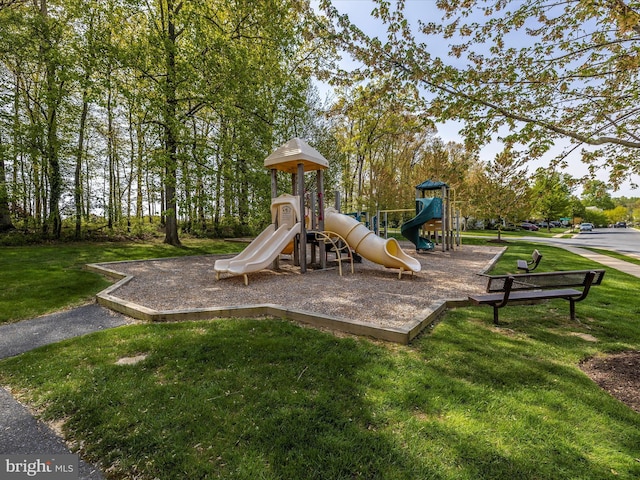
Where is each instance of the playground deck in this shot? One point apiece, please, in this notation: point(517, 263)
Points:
point(372, 301)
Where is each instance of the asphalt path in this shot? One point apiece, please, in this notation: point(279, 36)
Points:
point(20, 432)
point(20, 337)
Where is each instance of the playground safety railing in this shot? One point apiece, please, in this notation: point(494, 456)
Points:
point(339, 245)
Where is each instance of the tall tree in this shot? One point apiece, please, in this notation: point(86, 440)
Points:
point(551, 194)
point(502, 192)
point(48, 33)
point(5, 215)
point(596, 194)
point(382, 134)
point(86, 52)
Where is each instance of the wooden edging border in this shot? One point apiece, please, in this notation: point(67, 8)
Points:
point(402, 335)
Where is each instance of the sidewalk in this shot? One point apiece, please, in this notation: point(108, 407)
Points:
point(20, 432)
point(621, 265)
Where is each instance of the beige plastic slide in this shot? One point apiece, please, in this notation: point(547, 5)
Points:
point(383, 251)
point(264, 249)
point(222, 265)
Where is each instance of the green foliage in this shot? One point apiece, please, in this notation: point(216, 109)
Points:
point(502, 190)
point(596, 194)
point(551, 194)
point(384, 138)
point(595, 216)
point(617, 214)
point(127, 109)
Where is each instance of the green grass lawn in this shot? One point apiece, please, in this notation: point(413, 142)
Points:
point(515, 233)
point(268, 399)
point(40, 279)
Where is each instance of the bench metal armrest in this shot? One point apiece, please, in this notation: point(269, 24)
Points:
point(507, 291)
point(588, 281)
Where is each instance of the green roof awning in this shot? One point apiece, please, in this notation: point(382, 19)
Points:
point(431, 185)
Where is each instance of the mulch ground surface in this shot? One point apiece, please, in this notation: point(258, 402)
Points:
point(618, 374)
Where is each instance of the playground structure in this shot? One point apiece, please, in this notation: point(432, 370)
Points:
point(294, 226)
point(434, 217)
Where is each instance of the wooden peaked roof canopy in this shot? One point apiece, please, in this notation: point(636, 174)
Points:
point(287, 157)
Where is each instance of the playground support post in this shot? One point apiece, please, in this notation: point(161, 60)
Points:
point(303, 233)
point(445, 218)
point(274, 194)
point(459, 242)
point(313, 224)
point(320, 189)
point(296, 241)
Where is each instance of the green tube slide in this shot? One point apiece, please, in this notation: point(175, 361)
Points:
point(428, 209)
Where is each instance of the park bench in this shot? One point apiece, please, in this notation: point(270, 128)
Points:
point(529, 287)
point(530, 265)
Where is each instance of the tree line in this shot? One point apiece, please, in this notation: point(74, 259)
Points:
point(126, 113)
point(142, 109)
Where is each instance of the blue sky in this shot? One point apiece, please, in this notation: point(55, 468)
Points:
point(359, 12)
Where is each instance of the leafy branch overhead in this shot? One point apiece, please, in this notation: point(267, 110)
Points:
point(531, 71)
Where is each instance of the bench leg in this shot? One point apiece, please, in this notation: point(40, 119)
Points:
point(495, 315)
point(572, 309)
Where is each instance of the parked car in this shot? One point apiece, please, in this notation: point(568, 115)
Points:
point(586, 227)
point(620, 225)
point(529, 226)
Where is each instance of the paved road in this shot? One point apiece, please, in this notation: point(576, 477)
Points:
point(623, 240)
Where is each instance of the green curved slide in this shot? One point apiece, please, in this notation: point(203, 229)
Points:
point(428, 209)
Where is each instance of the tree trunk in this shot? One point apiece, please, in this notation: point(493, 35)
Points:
point(200, 199)
point(110, 157)
point(5, 216)
point(77, 179)
point(52, 99)
point(218, 188)
point(243, 193)
point(54, 177)
point(188, 202)
point(170, 125)
point(139, 171)
point(18, 146)
point(87, 189)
